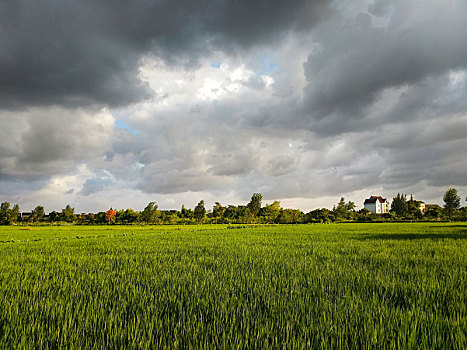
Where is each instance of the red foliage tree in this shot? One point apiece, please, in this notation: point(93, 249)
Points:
point(110, 215)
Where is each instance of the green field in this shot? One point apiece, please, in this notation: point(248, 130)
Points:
point(305, 286)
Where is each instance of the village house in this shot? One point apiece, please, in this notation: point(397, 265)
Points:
point(26, 215)
point(377, 205)
point(431, 206)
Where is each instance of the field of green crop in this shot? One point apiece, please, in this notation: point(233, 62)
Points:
point(306, 286)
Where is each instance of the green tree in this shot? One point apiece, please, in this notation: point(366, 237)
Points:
point(322, 215)
point(218, 211)
point(350, 206)
point(68, 214)
point(186, 213)
point(270, 212)
point(434, 213)
point(344, 210)
point(340, 211)
point(14, 213)
point(413, 208)
point(255, 204)
point(451, 201)
point(5, 213)
point(127, 216)
point(54, 216)
point(399, 205)
point(244, 215)
point(38, 213)
point(291, 216)
point(200, 211)
point(149, 214)
point(231, 213)
point(99, 218)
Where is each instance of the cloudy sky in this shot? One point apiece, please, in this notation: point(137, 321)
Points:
point(118, 103)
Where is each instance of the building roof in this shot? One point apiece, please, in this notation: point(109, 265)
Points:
point(373, 199)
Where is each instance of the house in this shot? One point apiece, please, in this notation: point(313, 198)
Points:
point(377, 205)
point(422, 207)
point(26, 215)
point(432, 207)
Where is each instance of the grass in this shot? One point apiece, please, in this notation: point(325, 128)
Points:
point(305, 286)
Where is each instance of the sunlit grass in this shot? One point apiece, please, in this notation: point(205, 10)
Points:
point(318, 286)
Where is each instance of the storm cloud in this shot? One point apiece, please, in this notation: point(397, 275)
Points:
point(89, 52)
point(115, 103)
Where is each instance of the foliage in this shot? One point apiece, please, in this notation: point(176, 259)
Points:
point(343, 210)
point(128, 216)
point(254, 206)
point(399, 205)
point(306, 286)
point(451, 201)
point(401, 210)
point(68, 214)
point(218, 211)
point(200, 211)
point(38, 214)
point(149, 214)
point(322, 215)
point(270, 212)
point(110, 215)
point(9, 215)
point(186, 213)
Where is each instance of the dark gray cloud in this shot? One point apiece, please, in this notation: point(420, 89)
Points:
point(96, 184)
point(362, 96)
point(48, 141)
point(86, 52)
point(354, 62)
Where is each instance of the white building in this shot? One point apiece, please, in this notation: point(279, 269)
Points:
point(377, 205)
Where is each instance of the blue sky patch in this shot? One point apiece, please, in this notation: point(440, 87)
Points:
point(267, 66)
point(120, 124)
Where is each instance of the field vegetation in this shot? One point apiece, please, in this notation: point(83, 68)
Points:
point(397, 285)
point(402, 210)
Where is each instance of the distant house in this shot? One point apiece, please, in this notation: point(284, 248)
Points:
point(422, 207)
point(432, 207)
point(377, 205)
point(26, 215)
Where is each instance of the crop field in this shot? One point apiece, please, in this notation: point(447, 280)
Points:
point(306, 286)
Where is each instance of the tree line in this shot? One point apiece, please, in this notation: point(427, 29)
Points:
point(252, 213)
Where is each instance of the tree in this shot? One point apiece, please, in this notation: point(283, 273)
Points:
point(186, 213)
point(232, 213)
point(399, 205)
point(99, 218)
point(127, 216)
point(149, 214)
point(350, 206)
point(110, 215)
point(451, 201)
point(200, 211)
point(5, 213)
point(14, 213)
point(218, 211)
point(68, 214)
point(38, 213)
point(434, 213)
point(54, 216)
point(291, 216)
point(255, 204)
point(413, 208)
point(319, 216)
point(341, 210)
point(344, 210)
point(270, 212)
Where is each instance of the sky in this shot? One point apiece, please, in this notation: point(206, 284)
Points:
point(117, 103)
